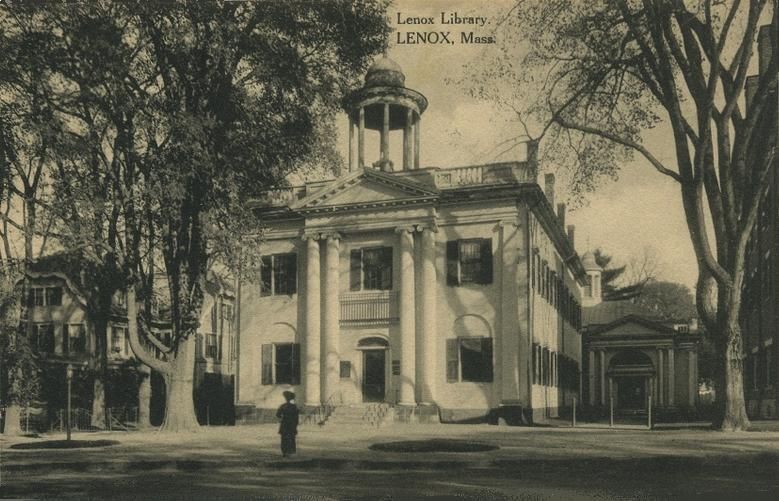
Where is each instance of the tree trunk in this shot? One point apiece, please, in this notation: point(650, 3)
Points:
point(13, 418)
point(179, 385)
point(734, 416)
point(98, 403)
point(100, 360)
point(144, 397)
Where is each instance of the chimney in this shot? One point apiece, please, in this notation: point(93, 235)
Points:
point(571, 229)
point(549, 188)
point(532, 152)
point(561, 214)
point(765, 45)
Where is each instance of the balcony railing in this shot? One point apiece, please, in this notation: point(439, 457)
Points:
point(499, 173)
point(369, 308)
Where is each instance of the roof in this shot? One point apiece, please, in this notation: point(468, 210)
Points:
point(660, 327)
point(607, 312)
point(385, 72)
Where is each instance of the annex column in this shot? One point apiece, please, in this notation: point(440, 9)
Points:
point(311, 346)
point(330, 317)
point(407, 314)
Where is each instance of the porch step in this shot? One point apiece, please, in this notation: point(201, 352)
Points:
point(361, 415)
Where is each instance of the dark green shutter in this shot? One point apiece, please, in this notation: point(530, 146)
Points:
point(452, 262)
point(292, 274)
point(296, 363)
point(267, 364)
point(486, 353)
point(386, 268)
point(486, 261)
point(266, 272)
point(65, 339)
point(452, 349)
point(355, 270)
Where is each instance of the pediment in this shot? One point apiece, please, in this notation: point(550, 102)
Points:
point(631, 329)
point(364, 189)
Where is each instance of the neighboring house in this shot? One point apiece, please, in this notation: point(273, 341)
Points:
point(439, 293)
point(760, 300)
point(62, 333)
point(630, 356)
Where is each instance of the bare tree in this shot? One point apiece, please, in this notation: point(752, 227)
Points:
point(596, 76)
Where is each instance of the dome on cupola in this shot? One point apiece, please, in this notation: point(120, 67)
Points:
point(385, 72)
point(589, 263)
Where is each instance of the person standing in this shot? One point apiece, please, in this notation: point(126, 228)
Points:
point(288, 428)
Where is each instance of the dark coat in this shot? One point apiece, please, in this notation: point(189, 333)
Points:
point(289, 415)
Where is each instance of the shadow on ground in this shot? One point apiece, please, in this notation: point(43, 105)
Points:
point(65, 444)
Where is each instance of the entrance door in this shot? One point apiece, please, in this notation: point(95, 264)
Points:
point(373, 375)
point(631, 392)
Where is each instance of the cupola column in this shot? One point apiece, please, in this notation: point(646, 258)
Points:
point(385, 138)
point(361, 139)
point(351, 143)
point(407, 139)
point(417, 125)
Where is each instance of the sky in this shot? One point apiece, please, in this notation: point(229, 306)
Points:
point(640, 213)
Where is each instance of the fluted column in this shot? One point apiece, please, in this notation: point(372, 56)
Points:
point(330, 317)
point(660, 378)
point(311, 346)
point(407, 312)
point(603, 377)
point(428, 333)
point(671, 378)
point(507, 340)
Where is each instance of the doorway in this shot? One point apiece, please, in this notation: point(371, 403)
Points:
point(374, 364)
point(631, 393)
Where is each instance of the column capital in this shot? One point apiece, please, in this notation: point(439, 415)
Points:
point(330, 235)
point(431, 227)
point(508, 222)
point(405, 229)
point(310, 235)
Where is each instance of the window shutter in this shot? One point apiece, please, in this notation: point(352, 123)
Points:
point(65, 339)
point(292, 274)
point(486, 261)
point(452, 262)
point(486, 353)
point(266, 271)
point(295, 363)
point(386, 268)
point(452, 349)
point(267, 364)
point(355, 268)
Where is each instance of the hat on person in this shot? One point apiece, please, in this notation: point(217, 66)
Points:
point(288, 395)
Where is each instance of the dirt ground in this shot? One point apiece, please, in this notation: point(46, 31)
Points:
point(528, 463)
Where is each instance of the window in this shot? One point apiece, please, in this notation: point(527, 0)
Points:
point(278, 275)
point(769, 355)
point(469, 261)
point(371, 269)
point(469, 359)
point(120, 342)
point(74, 339)
point(45, 296)
point(281, 363)
point(212, 347)
point(43, 338)
point(345, 369)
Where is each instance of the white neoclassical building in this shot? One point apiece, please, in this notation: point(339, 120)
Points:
point(447, 294)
